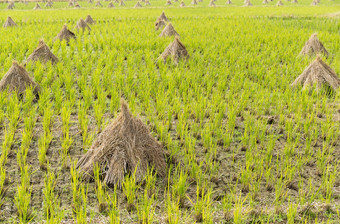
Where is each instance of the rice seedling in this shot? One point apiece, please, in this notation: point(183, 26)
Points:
point(244, 124)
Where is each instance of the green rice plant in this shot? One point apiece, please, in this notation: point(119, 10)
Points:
point(53, 213)
point(79, 199)
point(100, 189)
point(150, 182)
point(44, 99)
point(130, 188)
point(146, 210)
point(173, 210)
point(328, 181)
point(13, 111)
point(22, 197)
point(113, 208)
point(239, 212)
point(98, 114)
point(180, 185)
point(2, 185)
point(202, 207)
point(6, 145)
point(291, 213)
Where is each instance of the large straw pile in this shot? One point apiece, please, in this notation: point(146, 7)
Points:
point(318, 73)
point(123, 147)
point(17, 79)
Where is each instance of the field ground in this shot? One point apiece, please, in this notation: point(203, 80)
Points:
point(231, 124)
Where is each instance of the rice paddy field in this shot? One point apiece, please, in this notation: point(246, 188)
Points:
point(241, 144)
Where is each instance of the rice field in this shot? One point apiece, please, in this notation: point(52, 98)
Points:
point(240, 144)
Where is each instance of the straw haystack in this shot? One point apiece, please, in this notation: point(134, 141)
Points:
point(124, 147)
point(313, 46)
point(65, 34)
point(10, 5)
point(89, 20)
point(98, 4)
point(121, 3)
point(90, 1)
point(42, 53)
point(265, 2)
point(111, 5)
point(228, 2)
point(70, 4)
point(247, 3)
point(318, 73)
point(182, 4)
point(116, 1)
point(147, 3)
point(314, 3)
point(193, 2)
point(17, 79)
point(168, 31)
point(163, 17)
point(37, 6)
point(176, 50)
point(82, 25)
point(159, 24)
point(212, 4)
point(279, 3)
point(138, 5)
point(294, 1)
point(168, 2)
point(77, 6)
point(9, 22)
point(49, 4)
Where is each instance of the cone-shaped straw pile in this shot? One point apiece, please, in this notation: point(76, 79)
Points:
point(65, 34)
point(279, 3)
point(168, 31)
point(295, 1)
point(37, 6)
point(111, 5)
point(9, 22)
point(10, 5)
point(89, 20)
point(212, 4)
point(168, 3)
point(163, 17)
point(18, 79)
point(98, 4)
point(147, 3)
point(89, 1)
point(49, 4)
point(318, 73)
point(228, 2)
point(159, 24)
point(314, 3)
point(124, 147)
point(138, 5)
point(248, 3)
point(313, 46)
point(193, 2)
point(182, 4)
point(82, 25)
point(176, 50)
point(265, 2)
point(77, 6)
point(42, 53)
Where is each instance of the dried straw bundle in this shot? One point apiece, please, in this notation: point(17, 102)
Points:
point(123, 147)
point(318, 73)
point(18, 79)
